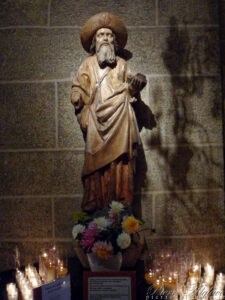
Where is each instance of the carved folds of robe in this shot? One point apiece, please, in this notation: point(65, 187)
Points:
point(112, 134)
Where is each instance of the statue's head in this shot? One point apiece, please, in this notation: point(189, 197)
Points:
point(100, 27)
point(105, 46)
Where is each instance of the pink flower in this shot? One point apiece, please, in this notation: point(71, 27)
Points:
point(114, 215)
point(89, 235)
point(102, 249)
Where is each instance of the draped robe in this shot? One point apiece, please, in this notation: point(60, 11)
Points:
point(112, 135)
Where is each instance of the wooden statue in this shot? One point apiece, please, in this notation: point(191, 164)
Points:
point(102, 93)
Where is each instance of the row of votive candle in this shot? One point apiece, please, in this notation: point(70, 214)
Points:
point(31, 279)
point(195, 288)
point(202, 288)
point(51, 266)
point(26, 282)
point(161, 280)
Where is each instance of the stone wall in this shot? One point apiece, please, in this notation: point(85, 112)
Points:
point(180, 177)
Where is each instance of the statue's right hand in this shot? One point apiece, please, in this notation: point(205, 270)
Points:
point(84, 117)
point(75, 98)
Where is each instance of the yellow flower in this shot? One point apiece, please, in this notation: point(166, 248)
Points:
point(130, 225)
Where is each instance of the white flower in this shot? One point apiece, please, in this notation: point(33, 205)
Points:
point(102, 222)
point(77, 229)
point(116, 206)
point(123, 240)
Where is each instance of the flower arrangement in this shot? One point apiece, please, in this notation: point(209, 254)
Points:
point(106, 233)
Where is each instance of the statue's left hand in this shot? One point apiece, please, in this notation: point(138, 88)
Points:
point(138, 82)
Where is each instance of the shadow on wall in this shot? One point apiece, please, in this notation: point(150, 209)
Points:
point(145, 119)
point(175, 120)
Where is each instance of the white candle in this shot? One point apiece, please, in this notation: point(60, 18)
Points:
point(33, 276)
point(24, 285)
point(203, 292)
point(219, 287)
point(12, 292)
point(209, 275)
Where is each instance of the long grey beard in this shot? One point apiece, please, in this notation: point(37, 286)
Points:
point(106, 55)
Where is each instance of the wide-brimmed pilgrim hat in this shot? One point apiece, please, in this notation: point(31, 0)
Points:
point(103, 20)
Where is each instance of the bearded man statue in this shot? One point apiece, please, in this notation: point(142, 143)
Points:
point(102, 93)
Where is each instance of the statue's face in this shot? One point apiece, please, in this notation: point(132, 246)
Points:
point(104, 47)
point(104, 35)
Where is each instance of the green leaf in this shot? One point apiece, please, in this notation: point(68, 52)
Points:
point(141, 222)
point(80, 217)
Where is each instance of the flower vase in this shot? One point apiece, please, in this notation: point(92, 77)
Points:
point(100, 264)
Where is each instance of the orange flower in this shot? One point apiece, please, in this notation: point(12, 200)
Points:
point(102, 253)
point(130, 225)
point(102, 249)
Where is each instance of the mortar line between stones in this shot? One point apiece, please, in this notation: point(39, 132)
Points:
point(149, 75)
point(184, 75)
point(156, 12)
point(81, 150)
point(166, 192)
point(27, 240)
point(42, 196)
point(194, 236)
point(53, 219)
point(156, 237)
point(49, 13)
point(189, 26)
point(56, 116)
point(153, 212)
point(35, 81)
point(78, 150)
point(183, 146)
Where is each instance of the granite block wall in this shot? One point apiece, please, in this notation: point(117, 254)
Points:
point(179, 46)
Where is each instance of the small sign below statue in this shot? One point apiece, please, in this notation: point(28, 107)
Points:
point(109, 285)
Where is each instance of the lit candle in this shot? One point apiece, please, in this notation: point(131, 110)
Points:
point(219, 287)
point(33, 276)
point(203, 291)
point(193, 280)
point(61, 271)
point(50, 271)
point(220, 278)
point(24, 286)
point(209, 275)
point(12, 292)
point(169, 282)
point(42, 260)
point(195, 271)
point(158, 283)
point(150, 276)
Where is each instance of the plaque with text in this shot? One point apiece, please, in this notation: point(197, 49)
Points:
point(110, 285)
point(58, 289)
